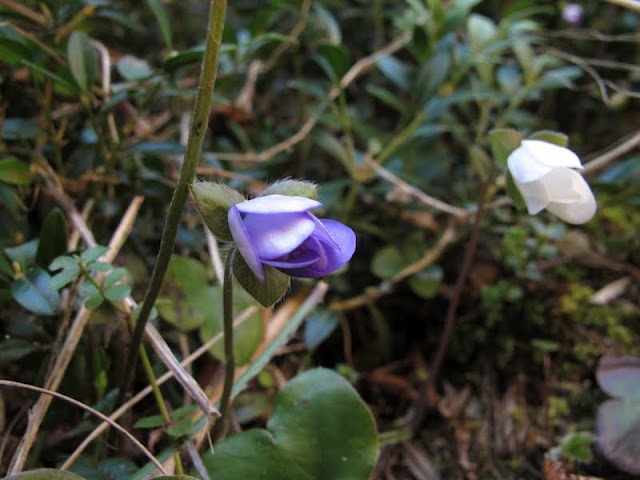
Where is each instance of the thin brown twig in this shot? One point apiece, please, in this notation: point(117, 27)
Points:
point(357, 69)
point(415, 192)
point(204, 348)
point(101, 416)
point(25, 11)
point(611, 154)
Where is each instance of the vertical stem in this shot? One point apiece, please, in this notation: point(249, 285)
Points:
point(229, 354)
point(197, 132)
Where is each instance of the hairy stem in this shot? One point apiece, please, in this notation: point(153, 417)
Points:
point(197, 132)
point(229, 354)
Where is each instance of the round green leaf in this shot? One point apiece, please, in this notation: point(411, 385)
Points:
point(33, 291)
point(186, 300)
point(320, 429)
point(388, 261)
point(44, 474)
point(426, 283)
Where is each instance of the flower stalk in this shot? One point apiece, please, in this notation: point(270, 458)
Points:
point(197, 133)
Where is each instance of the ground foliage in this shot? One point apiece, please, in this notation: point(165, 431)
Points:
point(387, 105)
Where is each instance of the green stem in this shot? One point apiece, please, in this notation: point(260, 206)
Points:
point(197, 133)
point(164, 413)
point(229, 355)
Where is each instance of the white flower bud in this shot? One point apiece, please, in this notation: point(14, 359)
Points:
point(545, 176)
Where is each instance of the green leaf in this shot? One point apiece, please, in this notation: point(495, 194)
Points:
point(319, 429)
point(481, 30)
point(24, 254)
point(15, 172)
point(480, 161)
point(550, 136)
point(577, 446)
point(152, 421)
point(114, 276)
point(133, 69)
point(66, 276)
point(334, 59)
point(54, 235)
point(213, 201)
point(117, 293)
point(157, 7)
point(319, 326)
point(181, 428)
point(21, 128)
point(426, 283)
point(246, 336)
point(44, 474)
point(275, 286)
point(83, 60)
point(33, 291)
point(514, 193)
point(186, 300)
point(92, 254)
point(388, 261)
point(503, 142)
point(13, 349)
point(94, 301)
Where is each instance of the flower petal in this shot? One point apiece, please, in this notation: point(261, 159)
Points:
point(551, 154)
point(563, 185)
point(580, 210)
point(243, 242)
point(534, 195)
point(275, 235)
point(277, 204)
point(332, 257)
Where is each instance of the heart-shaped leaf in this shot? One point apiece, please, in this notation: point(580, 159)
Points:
point(320, 429)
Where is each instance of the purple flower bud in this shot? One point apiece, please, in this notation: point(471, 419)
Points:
point(572, 13)
point(278, 230)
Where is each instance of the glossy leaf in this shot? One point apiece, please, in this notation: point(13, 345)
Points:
point(33, 291)
point(54, 238)
point(15, 172)
point(82, 59)
point(320, 428)
point(319, 326)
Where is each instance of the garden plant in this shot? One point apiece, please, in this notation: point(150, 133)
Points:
point(319, 239)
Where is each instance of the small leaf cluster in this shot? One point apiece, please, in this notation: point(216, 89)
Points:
point(73, 267)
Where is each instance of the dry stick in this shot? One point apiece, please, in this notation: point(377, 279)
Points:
point(204, 348)
point(450, 319)
point(73, 335)
point(101, 416)
point(197, 133)
point(359, 67)
point(155, 339)
point(611, 154)
point(414, 192)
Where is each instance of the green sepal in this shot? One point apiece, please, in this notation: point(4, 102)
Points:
point(292, 188)
point(275, 283)
point(503, 142)
point(213, 201)
point(550, 136)
point(514, 193)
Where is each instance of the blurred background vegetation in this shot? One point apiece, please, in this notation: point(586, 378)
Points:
point(387, 105)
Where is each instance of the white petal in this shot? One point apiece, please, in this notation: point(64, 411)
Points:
point(551, 154)
point(524, 166)
point(563, 185)
point(277, 204)
point(279, 234)
point(534, 195)
point(580, 210)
